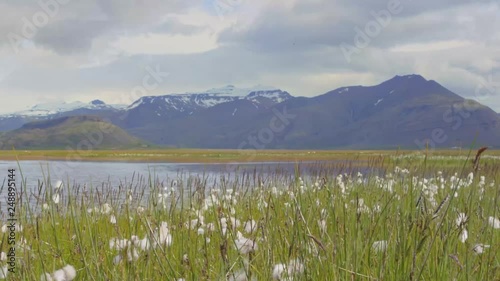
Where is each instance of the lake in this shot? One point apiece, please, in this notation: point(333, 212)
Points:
point(116, 177)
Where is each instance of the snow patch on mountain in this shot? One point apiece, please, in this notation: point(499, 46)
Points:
point(46, 109)
point(211, 97)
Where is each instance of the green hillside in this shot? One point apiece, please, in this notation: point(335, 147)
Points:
point(76, 132)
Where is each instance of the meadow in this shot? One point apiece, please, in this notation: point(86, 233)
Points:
point(410, 217)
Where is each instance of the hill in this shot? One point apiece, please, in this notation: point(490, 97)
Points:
point(76, 133)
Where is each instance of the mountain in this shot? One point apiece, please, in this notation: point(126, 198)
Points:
point(149, 109)
point(59, 108)
point(48, 111)
point(405, 111)
point(158, 109)
point(77, 132)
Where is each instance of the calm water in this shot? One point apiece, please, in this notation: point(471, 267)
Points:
point(95, 173)
point(113, 176)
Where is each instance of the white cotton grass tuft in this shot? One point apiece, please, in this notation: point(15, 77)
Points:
point(464, 234)
point(479, 248)
point(106, 209)
point(380, 246)
point(17, 228)
point(66, 273)
point(58, 185)
point(56, 198)
point(46, 277)
point(278, 271)
point(461, 219)
point(4, 271)
point(164, 237)
point(494, 222)
point(201, 231)
point(143, 244)
point(287, 272)
point(112, 219)
point(322, 226)
point(119, 244)
point(250, 226)
point(244, 245)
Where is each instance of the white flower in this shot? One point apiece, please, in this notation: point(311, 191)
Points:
point(464, 235)
point(58, 185)
point(494, 222)
point(162, 236)
point(479, 248)
point(250, 226)
point(106, 209)
point(4, 271)
point(210, 227)
point(45, 206)
point(144, 243)
point(140, 209)
point(380, 246)
point(112, 219)
point(201, 231)
point(118, 244)
point(46, 277)
point(244, 245)
point(67, 273)
point(322, 226)
point(461, 219)
point(287, 272)
point(278, 271)
point(70, 272)
point(56, 198)
point(17, 228)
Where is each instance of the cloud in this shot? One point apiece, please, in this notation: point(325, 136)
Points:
point(100, 48)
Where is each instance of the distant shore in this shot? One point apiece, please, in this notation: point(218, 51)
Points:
point(219, 155)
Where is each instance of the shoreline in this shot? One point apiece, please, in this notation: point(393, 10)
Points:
point(218, 156)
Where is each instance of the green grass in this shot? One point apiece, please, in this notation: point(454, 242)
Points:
point(454, 158)
point(401, 208)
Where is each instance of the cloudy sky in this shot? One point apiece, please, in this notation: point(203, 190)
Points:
point(115, 50)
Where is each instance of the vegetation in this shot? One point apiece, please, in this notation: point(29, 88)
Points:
point(75, 133)
point(440, 157)
point(411, 218)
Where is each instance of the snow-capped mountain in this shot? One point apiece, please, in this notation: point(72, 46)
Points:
point(189, 102)
point(149, 108)
point(47, 109)
point(152, 109)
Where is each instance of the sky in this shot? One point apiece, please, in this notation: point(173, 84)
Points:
point(120, 50)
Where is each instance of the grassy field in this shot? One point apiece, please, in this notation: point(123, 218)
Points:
point(428, 218)
point(223, 156)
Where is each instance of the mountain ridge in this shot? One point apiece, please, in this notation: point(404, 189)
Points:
point(403, 111)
